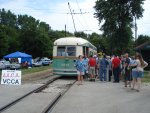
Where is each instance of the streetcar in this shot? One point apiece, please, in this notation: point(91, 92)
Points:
point(65, 52)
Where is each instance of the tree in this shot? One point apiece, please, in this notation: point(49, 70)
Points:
point(8, 18)
point(3, 41)
point(34, 36)
point(25, 33)
point(96, 40)
point(117, 17)
point(142, 39)
point(54, 35)
point(8, 32)
point(80, 34)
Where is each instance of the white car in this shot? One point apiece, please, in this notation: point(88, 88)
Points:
point(37, 64)
point(15, 66)
point(46, 61)
point(5, 65)
point(2, 65)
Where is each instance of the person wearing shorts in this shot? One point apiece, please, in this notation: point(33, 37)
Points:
point(92, 70)
point(92, 65)
point(137, 73)
point(80, 69)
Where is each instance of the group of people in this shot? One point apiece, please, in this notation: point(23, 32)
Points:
point(130, 70)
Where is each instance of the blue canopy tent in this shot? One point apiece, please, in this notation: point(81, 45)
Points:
point(24, 57)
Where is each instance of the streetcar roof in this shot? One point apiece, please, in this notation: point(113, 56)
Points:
point(73, 41)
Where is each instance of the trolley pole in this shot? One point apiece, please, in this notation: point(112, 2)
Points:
point(72, 17)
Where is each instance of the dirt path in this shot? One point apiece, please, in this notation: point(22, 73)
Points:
point(37, 76)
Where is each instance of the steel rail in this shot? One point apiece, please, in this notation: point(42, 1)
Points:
point(56, 99)
point(31, 92)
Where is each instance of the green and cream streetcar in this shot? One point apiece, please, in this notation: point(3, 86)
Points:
point(66, 51)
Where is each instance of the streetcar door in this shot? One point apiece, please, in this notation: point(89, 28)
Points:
point(85, 50)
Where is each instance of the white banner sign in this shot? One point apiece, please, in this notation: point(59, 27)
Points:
point(11, 77)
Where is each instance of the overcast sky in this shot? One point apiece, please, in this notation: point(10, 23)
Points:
point(57, 14)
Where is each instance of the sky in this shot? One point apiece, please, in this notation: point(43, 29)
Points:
point(57, 14)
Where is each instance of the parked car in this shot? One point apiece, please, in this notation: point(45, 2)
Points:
point(15, 66)
point(37, 64)
point(46, 61)
point(7, 64)
point(4, 64)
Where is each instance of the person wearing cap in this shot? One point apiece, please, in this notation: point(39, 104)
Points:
point(109, 68)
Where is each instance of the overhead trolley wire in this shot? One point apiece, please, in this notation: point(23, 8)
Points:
point(79, 20)
point(82, 13)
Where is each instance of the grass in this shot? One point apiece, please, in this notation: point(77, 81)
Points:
point(146, 77)
point(32, 70)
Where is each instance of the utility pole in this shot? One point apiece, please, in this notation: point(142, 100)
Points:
point(135, 29)
point(65, 30)
point(72, 17)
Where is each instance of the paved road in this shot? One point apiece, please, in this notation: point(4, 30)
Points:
point(9, 93)
point(104, 98)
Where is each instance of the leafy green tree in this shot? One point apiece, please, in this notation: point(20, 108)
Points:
point(8, 18)
point(13, 39)
point(25, 33)
point(100, 42)
point(34, 36)
point(63, 34)
point(3, 41)
point(117, 17)
point(142, 39)
point(80, 34)
point(54, 35)
point(96, 40)
point(9, 32)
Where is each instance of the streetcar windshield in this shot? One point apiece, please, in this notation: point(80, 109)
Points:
point(71, 51)
point(66, 51)
point(61, 51)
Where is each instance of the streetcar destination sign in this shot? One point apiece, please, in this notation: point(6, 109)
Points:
point(11, 77)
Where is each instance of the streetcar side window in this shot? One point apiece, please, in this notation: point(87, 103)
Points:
point(71, 51)
point(60, 51)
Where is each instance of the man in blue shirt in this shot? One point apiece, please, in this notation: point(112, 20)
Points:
point(103, 68)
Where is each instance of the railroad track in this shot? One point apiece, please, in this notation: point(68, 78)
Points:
point(51, 92)
point(55, 100)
